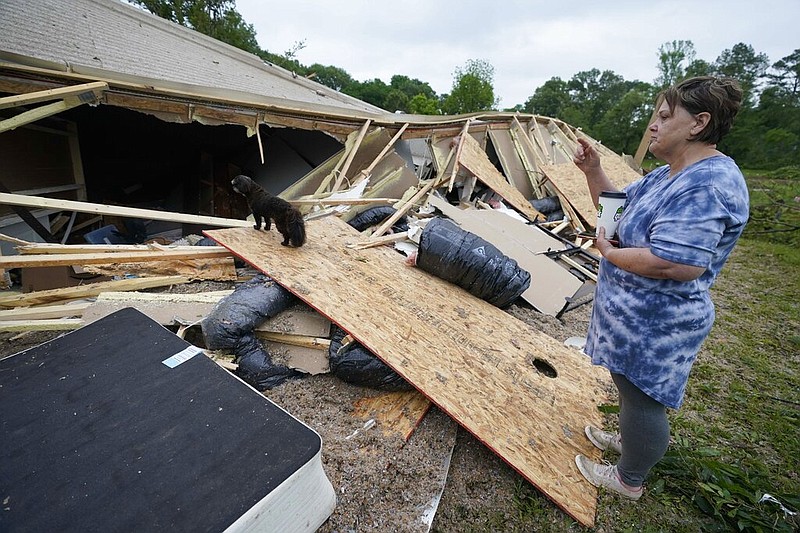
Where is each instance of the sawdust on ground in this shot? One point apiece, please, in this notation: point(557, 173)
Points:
point(384, 483)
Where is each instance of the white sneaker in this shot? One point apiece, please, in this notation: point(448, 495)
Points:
point(606, 476)
point(603, 439)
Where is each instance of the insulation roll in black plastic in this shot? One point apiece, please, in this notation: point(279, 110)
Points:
point(546, 205)
point(376, 215)
point(463, 258)
point(231, 324)
point(357, 365)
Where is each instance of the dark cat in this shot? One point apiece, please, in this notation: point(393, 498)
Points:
point(288, 219)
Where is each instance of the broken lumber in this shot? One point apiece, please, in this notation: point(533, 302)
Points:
point(522, 393)
point(134, 212)
point(41, 260)
point(87, 291)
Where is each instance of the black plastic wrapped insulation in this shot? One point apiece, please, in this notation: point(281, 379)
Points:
point(472, 263)
point(231, 324)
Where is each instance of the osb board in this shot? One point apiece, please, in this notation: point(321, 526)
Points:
point(397, 412)
point(571, 183)
point(550, 284)
point(473, 360)
point(474, 159)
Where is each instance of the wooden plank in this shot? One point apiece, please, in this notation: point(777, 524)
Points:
point(222, 269)
point(40, 260)
point(135, 212)
point(53, 94)
point(475, 160)
point(346, 166)
point(87, 291)
point(46, 324)
point(397, 412)
point(53, 248)
point(486, 369)
point(48, 311)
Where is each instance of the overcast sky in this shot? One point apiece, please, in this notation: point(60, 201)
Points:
point(527, 42)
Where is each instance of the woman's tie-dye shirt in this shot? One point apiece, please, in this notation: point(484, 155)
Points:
point(650, 330)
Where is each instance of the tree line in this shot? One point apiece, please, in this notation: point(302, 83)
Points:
point(602, 103)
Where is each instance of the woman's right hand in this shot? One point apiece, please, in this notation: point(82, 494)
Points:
point(586, 157)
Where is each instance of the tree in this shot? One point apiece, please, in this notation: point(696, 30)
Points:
point(472, 89)
point(215, 18)
point(334, 77)
point(742, 63)
point(621, 127)
point(373, 91)
point(786, 77)
point(671, 59)
point(422, 105)
point(550, 99)
point(411, 87)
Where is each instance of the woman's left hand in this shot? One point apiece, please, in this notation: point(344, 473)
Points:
point(602, 244)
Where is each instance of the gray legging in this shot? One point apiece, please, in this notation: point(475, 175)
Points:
point(644, 428)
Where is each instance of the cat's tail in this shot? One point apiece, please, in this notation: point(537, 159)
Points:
point(297, 228)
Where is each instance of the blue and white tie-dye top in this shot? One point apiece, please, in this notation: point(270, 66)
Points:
point(650, 330)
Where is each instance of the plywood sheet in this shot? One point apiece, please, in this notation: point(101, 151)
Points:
point(550, 283)
point(571, 183)
point(477, 363)
point(474, 159)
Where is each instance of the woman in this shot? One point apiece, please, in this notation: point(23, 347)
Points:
point(652, 308)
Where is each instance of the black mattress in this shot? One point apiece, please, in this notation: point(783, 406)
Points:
point(99, 434)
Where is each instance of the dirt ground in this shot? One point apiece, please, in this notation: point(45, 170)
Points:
point(384, 483)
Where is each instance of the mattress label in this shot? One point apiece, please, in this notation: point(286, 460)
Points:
point(182, 356)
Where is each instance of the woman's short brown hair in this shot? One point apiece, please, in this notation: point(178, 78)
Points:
point(720, 97)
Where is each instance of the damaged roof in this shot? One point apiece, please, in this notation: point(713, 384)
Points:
point(112, 39)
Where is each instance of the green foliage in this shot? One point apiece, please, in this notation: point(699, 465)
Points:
point(729, 493)
point(766, 134)
point(671, 59)
point(215, 18)
point(472, 89)
point(745, 65)
point(334, 77)
point(774, 208)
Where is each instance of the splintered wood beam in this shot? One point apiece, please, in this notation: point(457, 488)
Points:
point(87, 291)
point(405, 208)
point(364, 174)
point(45, 311)
point(134, 212)
point(14, 240)
point(351, 155)
point(53, 94)
point(461, 136)
point(53, 324)
point(39, 113)
point(343, 201)
point(42, 260)
point(380, 241)
point(52, 248)
point(316, 343)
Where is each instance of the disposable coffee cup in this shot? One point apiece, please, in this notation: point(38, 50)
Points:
point(609, 211)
